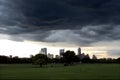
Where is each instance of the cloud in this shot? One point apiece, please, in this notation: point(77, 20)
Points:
point(86, 36)
point(114, 52)
point(61, 12)
point(82, 22)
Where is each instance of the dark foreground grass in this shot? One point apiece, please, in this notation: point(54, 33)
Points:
point(77, 72)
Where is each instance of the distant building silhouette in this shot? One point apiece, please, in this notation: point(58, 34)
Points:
point(31, 56)
point(79, 50)
point(50, 56)
point(61, 52)
point(82, 55)
point(10, 56)
point(79, 53)
point(94, 57)
point(43, 51)
point(87, 56)
point(57, 56)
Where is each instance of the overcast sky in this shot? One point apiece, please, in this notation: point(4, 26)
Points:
point(76, 23)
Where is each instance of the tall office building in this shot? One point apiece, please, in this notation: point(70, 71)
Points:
point(43, 51)
point(61, 52)
point(79, 53)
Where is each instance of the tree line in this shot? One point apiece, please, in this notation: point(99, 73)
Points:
point(14, 60)
point(68, 58)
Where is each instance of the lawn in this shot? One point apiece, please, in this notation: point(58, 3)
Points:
point(77, 72)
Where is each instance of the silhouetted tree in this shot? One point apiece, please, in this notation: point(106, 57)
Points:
point(76, 58)
point(86, 60)
point(40, 59)
point(4, 59)
point(69, 57)
point(118, 60)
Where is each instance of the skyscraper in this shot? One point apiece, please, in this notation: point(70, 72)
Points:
point(43, 51)
point(79, 53)
point(61, 52)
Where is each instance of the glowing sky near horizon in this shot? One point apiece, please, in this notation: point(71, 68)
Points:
point(27, 48)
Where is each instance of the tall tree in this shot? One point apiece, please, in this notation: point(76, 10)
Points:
point(40, 59)
point(69, 57)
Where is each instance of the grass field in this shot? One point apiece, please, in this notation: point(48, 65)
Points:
point(77, 72)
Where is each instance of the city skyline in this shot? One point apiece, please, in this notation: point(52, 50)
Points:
point(56, 51)
point(60, 54)
point(28, 25)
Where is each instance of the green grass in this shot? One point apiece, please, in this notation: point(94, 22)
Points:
point(80, 72)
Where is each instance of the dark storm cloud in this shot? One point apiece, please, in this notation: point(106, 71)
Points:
point(74, 21)
point(72, 11)
point(59, 12)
